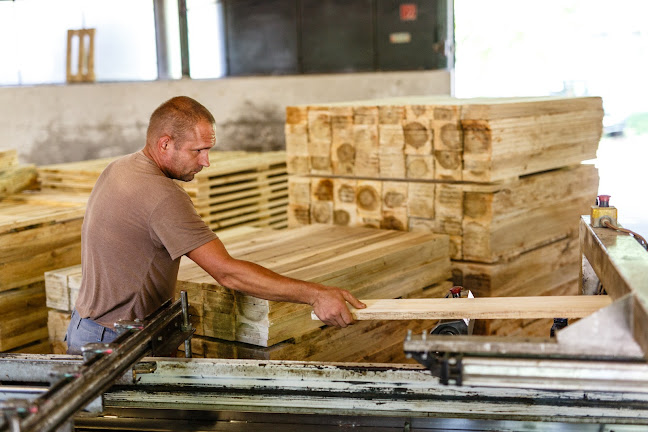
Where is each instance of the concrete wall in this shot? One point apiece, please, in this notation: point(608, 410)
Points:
point(65, 123)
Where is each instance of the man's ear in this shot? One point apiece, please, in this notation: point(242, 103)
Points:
point(163, 142)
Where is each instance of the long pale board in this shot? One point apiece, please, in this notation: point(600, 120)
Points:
point(481, 308)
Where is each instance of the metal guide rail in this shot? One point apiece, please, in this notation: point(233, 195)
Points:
point(74, 385)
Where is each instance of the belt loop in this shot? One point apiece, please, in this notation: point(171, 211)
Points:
point(78, 318)
point(103, 332)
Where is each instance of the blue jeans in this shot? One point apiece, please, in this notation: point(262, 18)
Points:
point(82, 331)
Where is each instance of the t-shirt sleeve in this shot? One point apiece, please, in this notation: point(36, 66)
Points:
point(176, 225)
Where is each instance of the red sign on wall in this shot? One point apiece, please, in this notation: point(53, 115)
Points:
point(408, 12)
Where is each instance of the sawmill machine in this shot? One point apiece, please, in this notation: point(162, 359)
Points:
point(592, 376)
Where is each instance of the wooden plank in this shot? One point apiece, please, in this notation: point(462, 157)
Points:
point(481, 308)
point(296, 132)
point(365, 137)
point(319, 139)
point(343, 151)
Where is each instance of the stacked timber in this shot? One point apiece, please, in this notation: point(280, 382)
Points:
point(62, 289)
point(442, 138)
point(502, 177)
point(15, 177)
point(369, 263)
point(39, 231)
point(238, 188)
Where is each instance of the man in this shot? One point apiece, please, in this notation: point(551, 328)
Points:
point(139, 223)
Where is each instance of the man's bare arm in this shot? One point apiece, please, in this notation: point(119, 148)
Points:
point(329, 303)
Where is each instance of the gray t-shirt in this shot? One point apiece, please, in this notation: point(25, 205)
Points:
point(137, 226)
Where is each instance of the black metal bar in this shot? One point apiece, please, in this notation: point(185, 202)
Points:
point(54, 408)
point(185, 322)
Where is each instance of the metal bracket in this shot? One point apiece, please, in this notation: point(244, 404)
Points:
point(608, 330)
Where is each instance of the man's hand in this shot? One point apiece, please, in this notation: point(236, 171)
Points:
point(330, 306)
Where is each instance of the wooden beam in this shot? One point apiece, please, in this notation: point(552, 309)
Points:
point(481, 308)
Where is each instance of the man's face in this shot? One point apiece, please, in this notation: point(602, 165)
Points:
point(188, 156)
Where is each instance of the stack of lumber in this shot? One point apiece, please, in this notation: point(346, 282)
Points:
point(13, 176)
point(239, 188)
point(369, 263)
point(62, 289)
point(503, 177)
point(442, 138)
point(39, 231)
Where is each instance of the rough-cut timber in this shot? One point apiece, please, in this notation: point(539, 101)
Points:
point(370, 263)
point(486, 222)
point(443, 138)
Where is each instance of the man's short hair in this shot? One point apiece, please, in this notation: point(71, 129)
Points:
point(176, 117)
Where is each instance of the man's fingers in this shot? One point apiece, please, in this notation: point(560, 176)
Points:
point(353, 301)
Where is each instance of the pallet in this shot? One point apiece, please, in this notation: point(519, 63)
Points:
point(442, 138)
point(241, 188)
point(369, 263)
point(486, 222)
point(83, 69)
